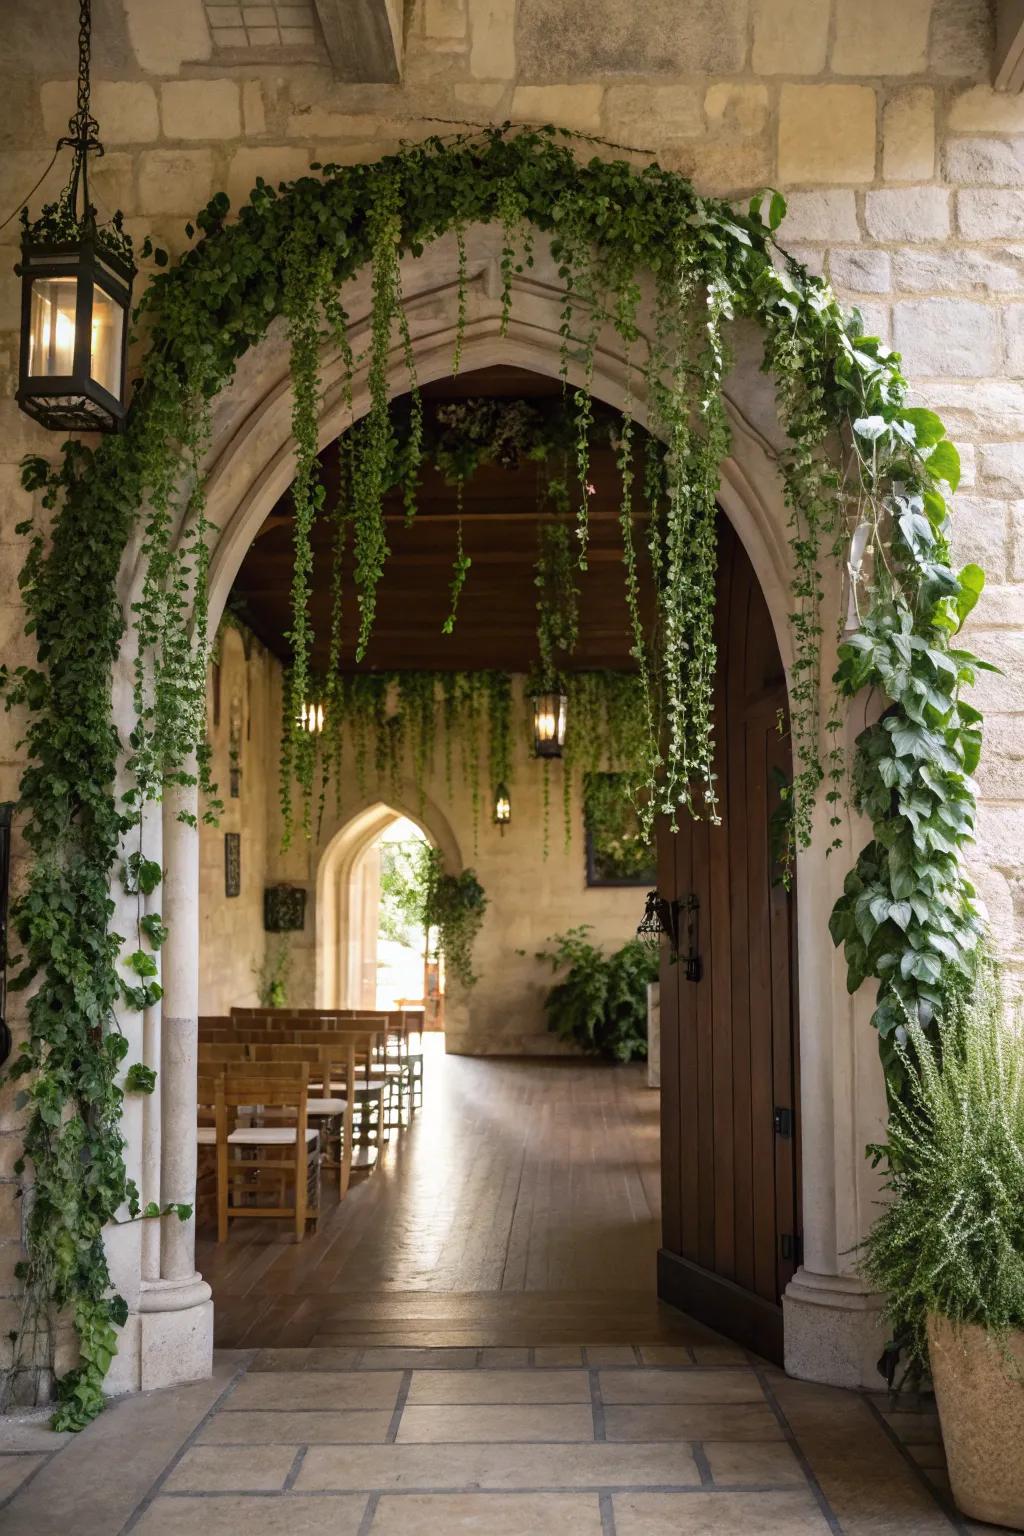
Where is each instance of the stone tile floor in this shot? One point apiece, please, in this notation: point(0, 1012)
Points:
point(612, 1440)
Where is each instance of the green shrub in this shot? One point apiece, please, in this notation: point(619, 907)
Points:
point(601, 1003)
point(952, 1240)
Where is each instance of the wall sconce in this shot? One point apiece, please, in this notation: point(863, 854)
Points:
point(502, 807)
point(311, 719)
point(663, 917)
point(6, 812)
point(76, 290)
point(549, 718)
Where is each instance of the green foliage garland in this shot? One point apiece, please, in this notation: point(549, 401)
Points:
point(453, 911)
point(607, 223)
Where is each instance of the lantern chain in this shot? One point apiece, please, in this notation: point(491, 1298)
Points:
point(83, 129)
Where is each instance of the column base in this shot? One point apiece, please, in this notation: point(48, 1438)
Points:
point(834, 1330)
point(176, 1333)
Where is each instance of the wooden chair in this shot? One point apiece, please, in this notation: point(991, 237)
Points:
point(266, 1164)
point(332, 1068)
point(371, 1090)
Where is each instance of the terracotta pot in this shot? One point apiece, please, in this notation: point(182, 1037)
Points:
point(981, 1405)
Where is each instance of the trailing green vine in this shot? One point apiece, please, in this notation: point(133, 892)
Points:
point(860, 462)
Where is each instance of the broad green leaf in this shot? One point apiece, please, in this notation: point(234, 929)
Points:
point(972, 582)
point(944, 463)
point(928, 428)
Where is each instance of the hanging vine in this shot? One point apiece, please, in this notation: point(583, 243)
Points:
point(859, 459)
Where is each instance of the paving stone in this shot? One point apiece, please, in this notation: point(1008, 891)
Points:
point(455, 1467)
point(15, 1469)
point(496, 1514)
point(759, 1463)
point(351, 1427)
point(682, 1386)
point(558, 1355)
point(228, 1514)
point(718, 1514)
point(719, 1354)
point(665, 1354)
point(308, 1359)
point(483, 1386)
point(247, 1469)
point(316, 1389)
point(522, 1422)
point(651, 1422)
point(418, 1359)
point(501, 1357)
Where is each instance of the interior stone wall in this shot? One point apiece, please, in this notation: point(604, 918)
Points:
point(903, 168)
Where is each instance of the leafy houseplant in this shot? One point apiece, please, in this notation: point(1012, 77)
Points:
point(601, 1002)
point(453, 907)
point(949, 1249)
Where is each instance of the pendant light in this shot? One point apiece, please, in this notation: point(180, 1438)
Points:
point(76, 288)
point(502, 807)
point(311, 719)
point(549, 719)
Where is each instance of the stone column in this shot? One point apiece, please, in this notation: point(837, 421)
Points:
point(177, 1334)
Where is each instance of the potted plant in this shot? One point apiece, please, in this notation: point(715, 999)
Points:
point(949, 1248)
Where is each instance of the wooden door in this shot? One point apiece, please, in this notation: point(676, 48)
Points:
point(730, 1183)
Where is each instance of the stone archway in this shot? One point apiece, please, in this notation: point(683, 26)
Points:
point(831, 1324)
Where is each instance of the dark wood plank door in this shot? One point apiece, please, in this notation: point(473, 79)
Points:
point(730, 1137)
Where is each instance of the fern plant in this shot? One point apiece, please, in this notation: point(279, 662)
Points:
point(952, 1239)
point(600, 1004)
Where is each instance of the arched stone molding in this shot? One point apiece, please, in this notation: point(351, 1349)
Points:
point(832, 1327)
point(340, 848)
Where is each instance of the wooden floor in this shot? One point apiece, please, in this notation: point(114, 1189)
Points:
point(521, 1207)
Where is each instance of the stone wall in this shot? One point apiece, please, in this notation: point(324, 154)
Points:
point(904, 173)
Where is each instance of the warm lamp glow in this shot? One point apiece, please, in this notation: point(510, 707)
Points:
point(549, 720)
point(502, 807)
point(311, 719)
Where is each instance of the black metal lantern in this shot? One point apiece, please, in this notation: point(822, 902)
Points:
point(76, 288)
point(549, 716)
point(502, 807)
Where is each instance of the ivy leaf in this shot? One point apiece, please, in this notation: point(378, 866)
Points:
point(928, 428)
point(944, 463)
point(141, 963)
point(155, 930)
point(972, 582)
point(139, 1079)
point(141, 875)
point(871, 428)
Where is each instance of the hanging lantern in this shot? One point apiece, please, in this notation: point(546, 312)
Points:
point(502, 807)
point(76, 288)
point(311, 719)
point(549, 715)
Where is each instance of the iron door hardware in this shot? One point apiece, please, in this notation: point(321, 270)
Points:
point(783, 1120)
point(791, 1247)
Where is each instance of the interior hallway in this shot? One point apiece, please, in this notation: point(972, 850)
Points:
point(521, 1207)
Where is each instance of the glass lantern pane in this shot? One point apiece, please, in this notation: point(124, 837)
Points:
point(51, 344)
point(107, 335)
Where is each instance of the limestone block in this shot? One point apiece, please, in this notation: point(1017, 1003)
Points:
point(978, 533)
point(200, 109)
point(274, 165)
point(983, 110)
point(1013, 329)
point(790, 37)
point(444, 18)
point(1001, 467)
point(985, 214)
point(908, 135)
point(986, 162)
point(570, 106)
point(1000, 774)
point(125, 110)
point(961, 270)
point(736, 111)
point(721, 170)
point(492, 54)
point(907, 213)
point(658, 114)
point(482, 98)
point(820, 216)
point(322, 122)
point(947, 336)
point(985, 409)
point(876, 37)
point(826, 133)
point(861, 271)
point(175, 180)
point(113, 180)
point(253, 110)
point(20, 169)
point(962, 39)
point(559, 42)
point(164, 36)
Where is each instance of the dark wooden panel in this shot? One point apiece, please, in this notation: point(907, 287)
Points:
point(730, 1189)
